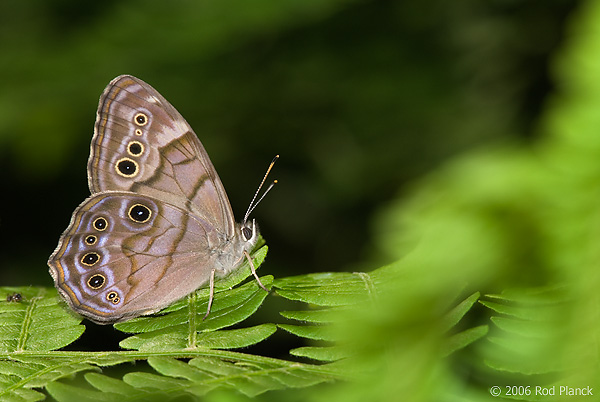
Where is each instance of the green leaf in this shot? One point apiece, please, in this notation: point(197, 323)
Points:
point(322, 333)
point(529, 327)
point(322, 353)
point(38, 322)
point(177, 339)
point(255, 377)
point(250, 375)
point(464, 339)
point(27, 372)
point(23, 394)
point(178, 329)
point(342, 288)
point(119, 389)
point(458, 312)
point(68, 393)
point(236, 338)
point(320, 316)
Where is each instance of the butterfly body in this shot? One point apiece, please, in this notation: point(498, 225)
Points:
point(158, 224)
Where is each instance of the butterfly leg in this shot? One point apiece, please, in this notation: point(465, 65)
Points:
point(211, 293)
point(254, 271)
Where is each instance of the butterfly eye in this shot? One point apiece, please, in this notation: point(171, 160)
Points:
point(90, 259)
point(139, 213)
point(100, 224)
point(126, 167)
point(91, 240)
point(96, 281)
point(135, 148)
point(141, 119)
point(247, 233)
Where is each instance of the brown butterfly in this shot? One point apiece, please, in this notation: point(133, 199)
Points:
point(158, 224)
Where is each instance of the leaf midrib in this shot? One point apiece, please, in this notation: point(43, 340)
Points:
point(108, 358)
point(28, 320)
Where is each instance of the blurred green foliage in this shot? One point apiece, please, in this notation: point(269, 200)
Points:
point(369, 103)
point(358, 97)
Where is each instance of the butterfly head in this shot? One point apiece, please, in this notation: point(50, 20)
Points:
point(250, 229)
point(249, 232)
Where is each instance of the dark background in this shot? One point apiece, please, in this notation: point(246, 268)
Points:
point(360, 98)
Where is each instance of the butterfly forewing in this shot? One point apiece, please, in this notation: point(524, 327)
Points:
point(143, 145)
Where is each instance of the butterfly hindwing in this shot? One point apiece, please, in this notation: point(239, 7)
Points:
point(125, 254)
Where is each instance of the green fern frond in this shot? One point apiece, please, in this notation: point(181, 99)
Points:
point(183, 327)
point(37, 322)
point(250, 375)
point(337, 297)
point(333, 293)
point(466, 337)
point(327, 289)
point(31, 330)
point(322, 353)
point(527, 335)
point(186, 351)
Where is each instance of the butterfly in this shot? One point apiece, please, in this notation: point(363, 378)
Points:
point(158, 224)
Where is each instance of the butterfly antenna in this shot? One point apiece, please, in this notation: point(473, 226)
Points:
point(254, 203)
